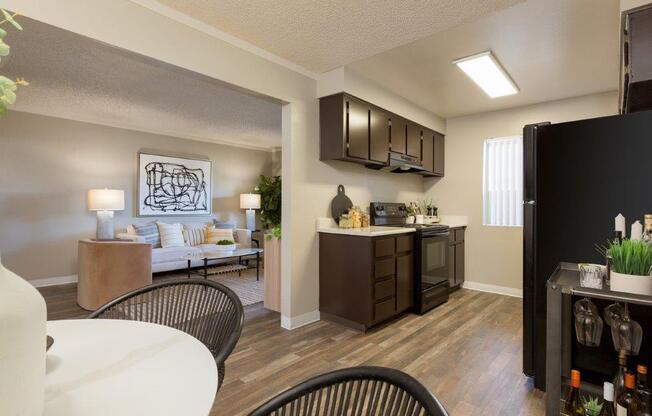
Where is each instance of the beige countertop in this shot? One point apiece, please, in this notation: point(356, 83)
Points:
point(327, 225)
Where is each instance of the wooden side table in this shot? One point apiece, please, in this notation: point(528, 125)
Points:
point(108, 269)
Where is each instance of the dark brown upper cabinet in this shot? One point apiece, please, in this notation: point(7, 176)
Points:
point(427, 150)
point(378, 135)
point(356, 131)
point(438, 165)
point(398, 134)
point(413, 139)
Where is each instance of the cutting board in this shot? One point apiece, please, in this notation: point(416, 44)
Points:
point(340, 204)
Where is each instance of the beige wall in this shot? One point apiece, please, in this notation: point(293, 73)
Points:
point(494, 254)
point(47, 165)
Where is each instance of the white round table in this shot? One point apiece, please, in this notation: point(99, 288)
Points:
point(112, 367)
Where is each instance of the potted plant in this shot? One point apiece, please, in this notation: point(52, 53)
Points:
point(592, 406)
point(411, 212)
point(226, 245)
point(631, 263)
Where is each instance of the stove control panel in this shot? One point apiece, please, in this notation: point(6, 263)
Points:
point(387, 213)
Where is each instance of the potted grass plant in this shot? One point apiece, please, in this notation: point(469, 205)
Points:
point(631, 264)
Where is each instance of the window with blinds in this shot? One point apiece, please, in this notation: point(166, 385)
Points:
point(502, 185)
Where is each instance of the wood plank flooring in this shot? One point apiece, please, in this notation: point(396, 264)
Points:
point(467, 352)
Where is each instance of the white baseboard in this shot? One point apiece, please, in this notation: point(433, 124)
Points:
point(295, 322)
point(53, 281)
point(501, 290)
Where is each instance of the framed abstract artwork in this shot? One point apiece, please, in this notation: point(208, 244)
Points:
point(173, 185)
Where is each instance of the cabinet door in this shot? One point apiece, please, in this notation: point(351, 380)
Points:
point(438, 168)
point(459, 263)
point(398, 133)
point(404, 282)
point(427, 152)
point(357, 129)
point(378, 135)
point(413, 140)
point(451, 265)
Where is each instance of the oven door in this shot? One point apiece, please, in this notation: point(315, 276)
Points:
point(434, 261)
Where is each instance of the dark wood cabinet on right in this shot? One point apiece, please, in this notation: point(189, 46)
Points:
point(456, 257)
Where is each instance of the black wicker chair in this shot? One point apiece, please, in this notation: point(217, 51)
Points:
point(356, 391)
point(207, 310)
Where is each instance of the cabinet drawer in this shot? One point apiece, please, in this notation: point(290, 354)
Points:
point(384, 247)
point(384, 289)
point(404, 243)
point(384, 309)
point(384, 268)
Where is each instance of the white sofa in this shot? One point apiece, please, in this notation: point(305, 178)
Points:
point(170, 258)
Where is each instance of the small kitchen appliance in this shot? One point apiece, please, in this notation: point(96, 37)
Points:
point(431, 280)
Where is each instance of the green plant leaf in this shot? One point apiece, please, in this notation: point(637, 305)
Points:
point(10, 19)
point(8, 97)
point(4, 48)
point(3, 109)
point(3, 33)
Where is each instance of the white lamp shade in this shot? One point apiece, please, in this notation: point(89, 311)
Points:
point(250, 201)
point(106, 199)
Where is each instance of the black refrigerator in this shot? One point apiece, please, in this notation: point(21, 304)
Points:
point(578, 176)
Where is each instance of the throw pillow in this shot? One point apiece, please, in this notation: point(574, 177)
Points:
point(150, 233)
point(226, 225)
point(194, 236)
point(213, 235)
point(171, 235)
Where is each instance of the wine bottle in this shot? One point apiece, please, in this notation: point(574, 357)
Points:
point(641, 377)
point(573, 405)
point(643, 403)
point(619, 379)
point(608, 404)
point(626, 398)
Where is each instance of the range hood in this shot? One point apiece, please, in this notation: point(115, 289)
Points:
point(400, 163)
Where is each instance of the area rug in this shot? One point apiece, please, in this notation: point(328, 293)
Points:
point(246, 287)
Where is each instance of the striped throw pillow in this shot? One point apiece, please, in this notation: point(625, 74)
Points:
point(149, 232)
point(194, 236)
point(213, 235)
point(171, 235)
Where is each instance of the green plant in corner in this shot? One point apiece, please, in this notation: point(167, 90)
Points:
point(629, 257)
point(8, 87)
point(269, 188)
point(591, 405)
point(225, 242)
point(274, 233)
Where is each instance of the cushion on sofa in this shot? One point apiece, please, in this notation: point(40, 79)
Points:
point(172, 254)
point(194, 236)
point(171, 235)
point(228, 226)
point(213, 235)
point(149, 232)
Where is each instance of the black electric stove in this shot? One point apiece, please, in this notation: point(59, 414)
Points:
point(431, 280)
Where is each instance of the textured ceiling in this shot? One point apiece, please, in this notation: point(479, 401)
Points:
point(323, 35)
point(77, 78)
point(553, 49)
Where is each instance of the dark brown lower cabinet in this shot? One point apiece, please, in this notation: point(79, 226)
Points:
point(456, 257)
point(364, 281)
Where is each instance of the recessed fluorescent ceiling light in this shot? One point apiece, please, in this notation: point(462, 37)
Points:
point(485, 71)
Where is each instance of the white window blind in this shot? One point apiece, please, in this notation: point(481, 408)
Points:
point(502, 190)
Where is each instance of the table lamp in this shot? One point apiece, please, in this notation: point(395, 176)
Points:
point(105, 201)
point(250, 202)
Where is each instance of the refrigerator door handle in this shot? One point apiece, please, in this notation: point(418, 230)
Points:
point(530, 202)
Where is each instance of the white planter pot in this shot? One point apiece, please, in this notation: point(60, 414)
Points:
point(628, 283)
point(22, 346)
point(230, 247)
point(409, 219)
